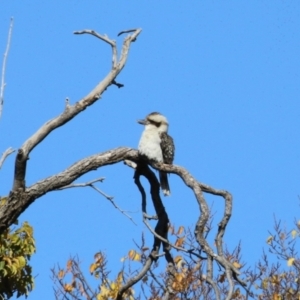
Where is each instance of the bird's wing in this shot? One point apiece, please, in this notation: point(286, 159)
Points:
point(167, 147)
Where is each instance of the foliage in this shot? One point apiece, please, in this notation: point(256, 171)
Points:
point(71, 281)
point(280, 280)
point(16, 248)
point(266, 281)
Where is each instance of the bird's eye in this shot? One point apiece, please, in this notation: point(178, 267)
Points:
point(157, 124)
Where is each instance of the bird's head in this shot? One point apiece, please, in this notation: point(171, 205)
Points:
point(155, 120)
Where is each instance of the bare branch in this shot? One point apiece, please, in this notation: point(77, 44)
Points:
point(71, 110)
point(109, 198)
point(94, 33)
point(105, 39)
point(126, 31)
point(214, 285)
point(19, 200)
point(3, 84)
point(79, 274)
point(6, 153)
point(189, 251)
point(152, 257)
point(89, 183)
point(198, 189)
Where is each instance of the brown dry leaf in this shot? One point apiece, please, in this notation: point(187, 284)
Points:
point(180, 242)
point(180, 230)
point(276, 296)
point(61, 274)
point(131, 254)
point(275, 279)
point(69, 264)
point(97, 255)
point(236, 293)
point(68, 288)
point(237, 265)
point(222, 278)
point(177, 259)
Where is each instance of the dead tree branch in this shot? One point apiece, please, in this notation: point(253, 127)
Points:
point(151, 258)
point(104, 38)
point(126, 31)
point(160, 233)
point(3, 84)
point(19, 200)
point(163, 220)
point(188, 251)
point(71, 110)
point(6, 153)
point(111, 199)
point(161, 228)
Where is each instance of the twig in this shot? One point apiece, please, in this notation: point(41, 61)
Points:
point(105, 39)
point(119, 85)
point(169, 243)
point(67, 103)
point(152, 257)
point(126, 31)
point(85, 284)
point(155, 279)
point(91, 184)
point(3, 84)
point(5, 154)
point(94, 33)
point(110, 198)
point(114, 204)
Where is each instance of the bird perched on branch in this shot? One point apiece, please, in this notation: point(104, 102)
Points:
point(157, 145)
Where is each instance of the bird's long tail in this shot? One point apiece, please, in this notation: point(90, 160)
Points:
point(164, 183)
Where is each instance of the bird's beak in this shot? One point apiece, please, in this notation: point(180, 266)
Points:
point(142, 122)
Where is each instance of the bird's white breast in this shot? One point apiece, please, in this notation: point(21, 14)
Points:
point(149, 145)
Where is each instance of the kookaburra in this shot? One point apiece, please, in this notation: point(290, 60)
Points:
point(157, 145)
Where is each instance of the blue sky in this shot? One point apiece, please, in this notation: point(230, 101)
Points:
point(225, 73)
